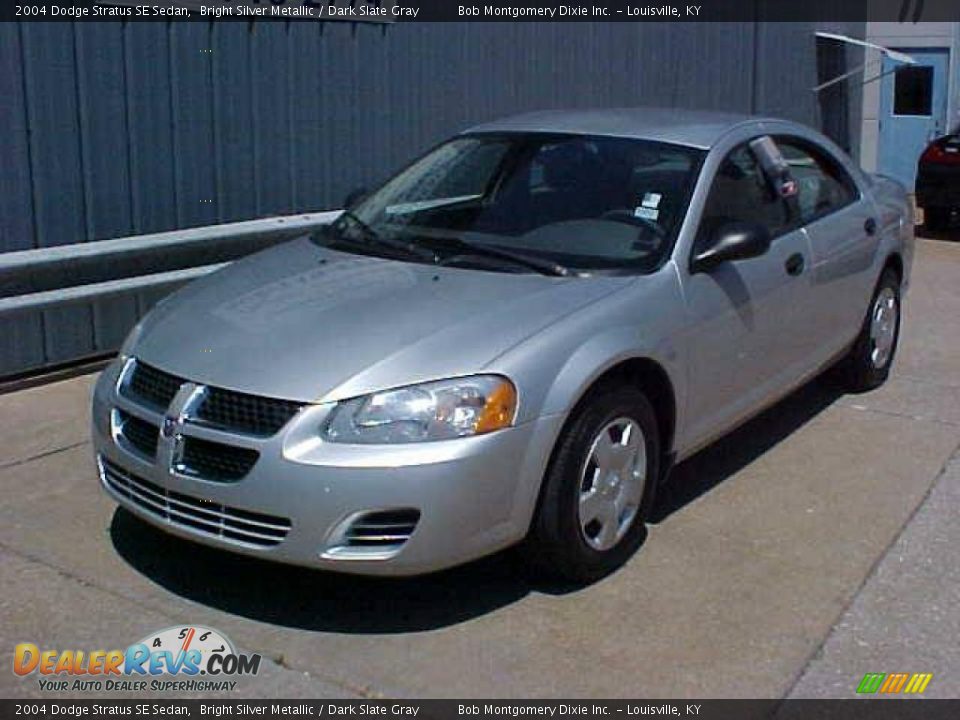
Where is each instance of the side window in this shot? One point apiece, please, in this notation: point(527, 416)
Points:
point(822, 185)
point(741, 193)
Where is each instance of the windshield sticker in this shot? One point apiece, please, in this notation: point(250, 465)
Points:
point(651, 200)
point(647, 213)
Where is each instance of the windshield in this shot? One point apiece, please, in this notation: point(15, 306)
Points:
point(509, 202)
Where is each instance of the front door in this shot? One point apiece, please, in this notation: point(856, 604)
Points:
point(748, 338)
point(913, 110)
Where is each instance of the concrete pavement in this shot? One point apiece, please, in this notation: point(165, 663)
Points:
point(906, 617)
point(762, 543)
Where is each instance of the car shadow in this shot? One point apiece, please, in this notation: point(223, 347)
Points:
point(702, 472)
point(316, 600)
point(309, 599)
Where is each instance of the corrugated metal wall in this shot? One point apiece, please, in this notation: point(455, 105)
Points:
point(117, 129)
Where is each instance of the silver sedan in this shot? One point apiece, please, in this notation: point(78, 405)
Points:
point(510, 341)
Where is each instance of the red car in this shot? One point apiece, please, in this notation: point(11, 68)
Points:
point(938, 181)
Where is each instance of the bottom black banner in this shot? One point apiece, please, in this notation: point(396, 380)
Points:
point(485, 709)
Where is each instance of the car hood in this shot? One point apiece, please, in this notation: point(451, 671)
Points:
point(308, 323)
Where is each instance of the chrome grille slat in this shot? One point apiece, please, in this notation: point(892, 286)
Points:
point(214, 519)
point(223, 409)
point(216, 461)
point(196, 519)
point(139, 435)
point(383, 530)
point(247, 414)
point(176, 504)
point(151, 386)
point(271, 539)
point(140, 495)
point(382, 538)
point(145, 390)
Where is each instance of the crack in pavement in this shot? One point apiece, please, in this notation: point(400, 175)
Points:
point(44, 454)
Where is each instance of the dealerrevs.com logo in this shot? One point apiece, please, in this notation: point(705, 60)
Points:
point(177, 659)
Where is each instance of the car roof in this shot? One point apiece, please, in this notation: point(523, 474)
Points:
point(696, 128)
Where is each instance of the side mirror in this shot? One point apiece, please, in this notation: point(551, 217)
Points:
point(353, 197)
point(732, 241)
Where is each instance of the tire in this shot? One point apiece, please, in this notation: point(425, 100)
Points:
point(936, 218)
point(867, 364)
point(561, 546)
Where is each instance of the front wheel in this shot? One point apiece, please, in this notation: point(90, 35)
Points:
point(599, 487)
point(867, 365)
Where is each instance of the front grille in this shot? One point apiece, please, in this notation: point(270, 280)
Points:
point(138, 434)
point(244, 413)
point(151, 386)
point(215, 461)
point(384, 529)
point(225, 409)
point(201, 516)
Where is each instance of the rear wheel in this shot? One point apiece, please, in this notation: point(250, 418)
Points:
point(867, 365)
point(598, 489)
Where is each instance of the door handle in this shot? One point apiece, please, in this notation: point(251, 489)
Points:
point(870, 226)
point(794, 264)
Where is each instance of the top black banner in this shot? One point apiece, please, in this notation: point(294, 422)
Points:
point(388, 11)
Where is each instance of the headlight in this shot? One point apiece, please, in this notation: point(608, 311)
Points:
point(431, 411)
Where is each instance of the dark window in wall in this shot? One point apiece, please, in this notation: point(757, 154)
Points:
point(913, 90)
point(834, 101)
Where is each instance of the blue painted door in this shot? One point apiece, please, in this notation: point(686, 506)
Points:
point(913, 110)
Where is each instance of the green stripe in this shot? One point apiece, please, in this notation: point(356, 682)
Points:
point(871, 682)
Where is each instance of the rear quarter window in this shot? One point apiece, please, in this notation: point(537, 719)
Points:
point(823, 186)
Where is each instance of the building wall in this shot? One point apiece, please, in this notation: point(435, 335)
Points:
point(117, 129)
point(904, 35)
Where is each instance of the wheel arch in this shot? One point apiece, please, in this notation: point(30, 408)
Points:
point(894, 261)
point(644, 372)
point(653, 380)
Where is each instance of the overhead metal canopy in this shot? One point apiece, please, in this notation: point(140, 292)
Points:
point(892, 54)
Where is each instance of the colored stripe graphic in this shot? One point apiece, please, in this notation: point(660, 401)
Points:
point(894, 683)
point(918, 682)
point(871, 683)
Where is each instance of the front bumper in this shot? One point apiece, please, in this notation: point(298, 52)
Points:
point(474, 495)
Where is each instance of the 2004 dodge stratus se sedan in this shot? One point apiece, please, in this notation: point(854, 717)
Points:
point(511, 340)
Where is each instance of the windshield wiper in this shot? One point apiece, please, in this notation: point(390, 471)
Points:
point(372, 237)
point(465, 247)
point(541, 265)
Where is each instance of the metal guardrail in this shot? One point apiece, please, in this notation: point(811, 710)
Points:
point(45, 278)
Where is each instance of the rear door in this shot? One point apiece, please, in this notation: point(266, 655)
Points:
point(843, 231)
